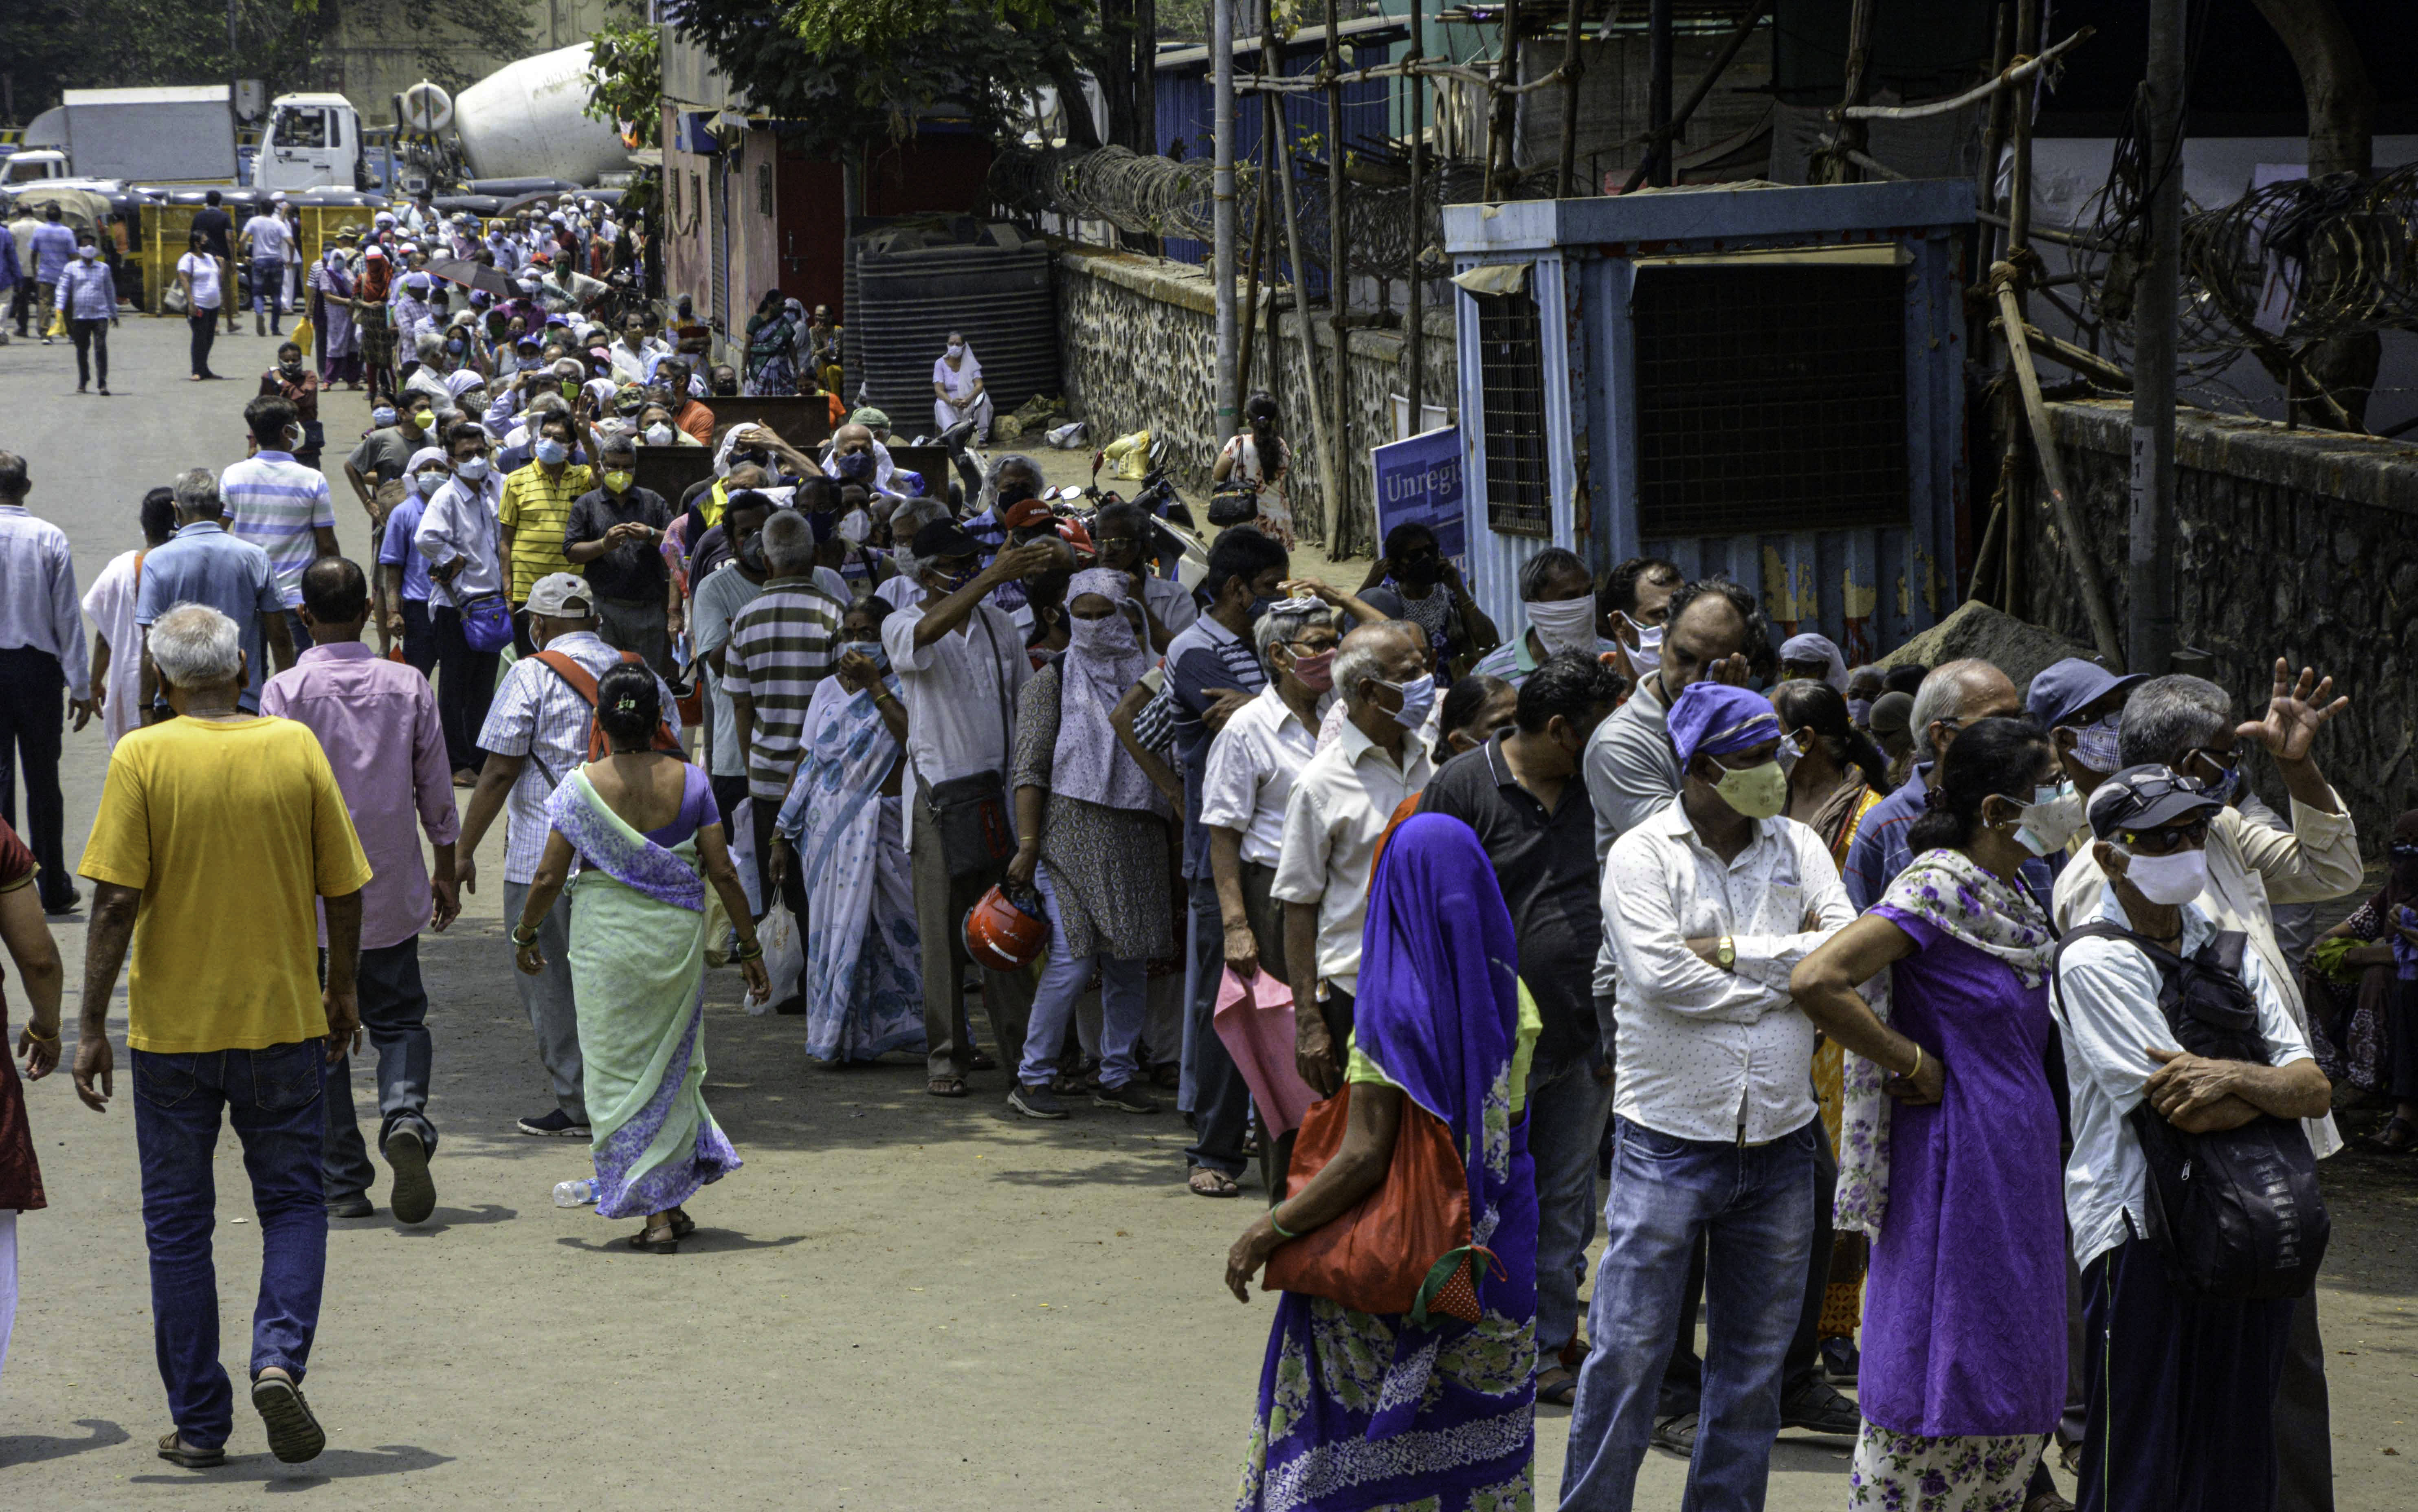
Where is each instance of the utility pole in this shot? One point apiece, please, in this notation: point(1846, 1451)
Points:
point(2149, 631)
point(1658, 92)
point(1221, 54)
point(1414, 322)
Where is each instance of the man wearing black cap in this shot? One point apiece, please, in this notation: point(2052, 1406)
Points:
point(961, 662)
point(2182, 1387)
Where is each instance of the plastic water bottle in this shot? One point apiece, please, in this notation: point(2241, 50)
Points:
point(576, 1194)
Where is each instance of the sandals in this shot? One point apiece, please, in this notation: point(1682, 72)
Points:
point(1557, 1386)
point(946, 1086)
point(1205, 1182)
point(2386, 1140)
point(178, 1452)
point(682, 1225)
point(646, 1240)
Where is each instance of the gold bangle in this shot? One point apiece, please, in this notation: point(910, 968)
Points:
point(1918, 1063)
point(41, 1039)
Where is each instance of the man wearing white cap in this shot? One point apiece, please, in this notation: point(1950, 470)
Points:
point(536, 735)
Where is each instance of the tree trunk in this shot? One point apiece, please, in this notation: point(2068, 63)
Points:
point(2342, 116)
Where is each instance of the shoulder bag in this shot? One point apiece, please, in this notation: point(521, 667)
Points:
point(971, 812)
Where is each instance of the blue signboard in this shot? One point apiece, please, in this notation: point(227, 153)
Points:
point(1419, 483)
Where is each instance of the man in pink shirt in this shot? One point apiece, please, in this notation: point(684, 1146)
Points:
point(376, 720)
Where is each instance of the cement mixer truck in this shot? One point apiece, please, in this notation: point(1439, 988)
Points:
point(526, 120)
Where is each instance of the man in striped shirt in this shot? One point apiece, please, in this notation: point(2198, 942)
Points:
point(280, 505)
point(781, 646)
point(535, 511)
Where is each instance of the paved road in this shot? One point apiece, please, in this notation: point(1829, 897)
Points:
point(897, 1303)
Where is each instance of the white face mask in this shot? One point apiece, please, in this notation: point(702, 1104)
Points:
point(1647, 655)
point(855, 528)
point(472, 470)
point(1564, 626)
point(2173, 879)
point(2050, 819)
point(659, 434)
point(956, 349)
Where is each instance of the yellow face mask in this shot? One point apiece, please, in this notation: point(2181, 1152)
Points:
point(619, 482)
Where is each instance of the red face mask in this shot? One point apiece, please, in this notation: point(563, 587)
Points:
point(1316, 672)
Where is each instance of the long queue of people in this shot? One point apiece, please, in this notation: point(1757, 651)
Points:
point(1694, 959)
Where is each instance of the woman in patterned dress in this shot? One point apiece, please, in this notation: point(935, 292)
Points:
point(29, 945)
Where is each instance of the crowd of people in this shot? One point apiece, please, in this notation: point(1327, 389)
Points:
point(1844, 1001)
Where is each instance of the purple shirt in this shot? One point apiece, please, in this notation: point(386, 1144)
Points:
point(376, 720)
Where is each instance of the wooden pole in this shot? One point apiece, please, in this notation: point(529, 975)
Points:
point(1250, 308)
point(2052, 467)
point(1748, 20)
point(2019, 197)
point(1852, 134)
point(1571, 68)
point(1342, 534)
point(1500, 110)
point(2150, 533)
point(1993, 133)
point(1283, 151)
point(1658, 91)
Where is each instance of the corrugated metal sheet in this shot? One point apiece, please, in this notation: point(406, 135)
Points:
point(1868, 588)
point(904, 304)
point(1185, 129)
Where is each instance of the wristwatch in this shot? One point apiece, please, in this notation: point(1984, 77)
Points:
point(1725, 954)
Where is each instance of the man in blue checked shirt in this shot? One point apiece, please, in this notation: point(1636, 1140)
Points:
point(87, 297)
point(50, 249)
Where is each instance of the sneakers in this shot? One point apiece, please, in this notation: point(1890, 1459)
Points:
point(554, 1124)
point(414, 1196)
point(1129, 1098)
point(356, 1206)
point(1818, 1407)
point(1035, 1102)
point(294, 1434)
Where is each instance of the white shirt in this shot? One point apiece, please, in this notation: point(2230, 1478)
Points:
point(37, 595)
point(961, 693)
point(2107, 1006)
point(538, 715)
point(1253, 764)
point(1707, 1054)
point(460, 521)
point(204, 271)
point(272, 240)
point(2251, 868)
point(1339, 808)
point(900, 591)
point(1174, 606)
point(109, 601)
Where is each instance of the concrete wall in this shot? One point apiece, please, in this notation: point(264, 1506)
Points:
point(2303, 545)
point(1138, 348)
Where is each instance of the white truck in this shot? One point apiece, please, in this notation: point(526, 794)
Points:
point(185, 134)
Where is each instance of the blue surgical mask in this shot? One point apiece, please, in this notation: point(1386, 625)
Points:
point(1418, 698)
point(381, 417)
point(2223, 789)
point(550, 452)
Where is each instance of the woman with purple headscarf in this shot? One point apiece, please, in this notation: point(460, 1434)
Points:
point(1366, 1410)
point(1092, 834)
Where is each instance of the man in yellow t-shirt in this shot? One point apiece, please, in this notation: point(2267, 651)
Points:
point(535, 514)
point(217, 833)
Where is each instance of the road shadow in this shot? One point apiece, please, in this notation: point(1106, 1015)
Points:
point(704, 1242)
point(33, 1449)
point(444, 1218)
point(333, 1465)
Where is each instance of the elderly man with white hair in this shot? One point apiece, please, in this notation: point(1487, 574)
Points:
point(1954, 695)
point(225, 1015)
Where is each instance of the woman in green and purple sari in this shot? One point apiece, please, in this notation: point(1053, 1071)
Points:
point(1365, 1411)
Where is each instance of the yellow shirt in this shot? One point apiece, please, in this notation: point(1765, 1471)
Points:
point(537, 510)
point(232, 830)
point(1359, 1067)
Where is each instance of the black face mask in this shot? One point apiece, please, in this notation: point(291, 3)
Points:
point(1423, 571)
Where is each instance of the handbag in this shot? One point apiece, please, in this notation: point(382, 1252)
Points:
point(1404, 1248)
point(486, 622)
point(1234, 506)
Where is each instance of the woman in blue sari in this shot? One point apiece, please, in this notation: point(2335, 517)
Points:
point(1367, 1410)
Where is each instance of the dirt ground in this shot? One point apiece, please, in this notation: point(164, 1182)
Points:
point(897, 1303)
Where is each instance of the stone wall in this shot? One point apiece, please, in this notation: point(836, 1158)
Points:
point(1138, 347)
point(2300, 545)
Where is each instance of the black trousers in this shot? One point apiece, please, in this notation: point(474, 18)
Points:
point(204, 327)
point(91, 338)
point(33, 719)
point(2182, 1391)
point(418, 636)
point(466, 685)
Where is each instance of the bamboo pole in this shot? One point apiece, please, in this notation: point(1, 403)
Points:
point(1251, 307)
point(1344, 529)
point(1283, 152)
point(1572, 69)
point(2020, 74)
point(1414, 322)
point(1499, 114)
point(2052, 467)
point(1661, 137)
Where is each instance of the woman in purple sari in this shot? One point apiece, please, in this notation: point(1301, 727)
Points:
point(1959, 1185)
point(1360, 1410)
point(638, 825)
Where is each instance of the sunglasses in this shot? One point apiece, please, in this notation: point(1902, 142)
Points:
point(2164, 841)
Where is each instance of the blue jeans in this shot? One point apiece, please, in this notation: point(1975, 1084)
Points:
point(1063, 980)
point(394, 1018)
point(1754, 1206)
point(269, 284)
point(272, 1097)
point(1567, 1108)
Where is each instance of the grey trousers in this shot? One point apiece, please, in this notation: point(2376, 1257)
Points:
point(638, 625)
point(554, 1014)
point(941, 907)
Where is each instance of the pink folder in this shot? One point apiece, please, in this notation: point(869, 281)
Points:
point(1254, 1020)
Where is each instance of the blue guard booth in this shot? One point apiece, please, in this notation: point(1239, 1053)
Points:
point(1761, 381)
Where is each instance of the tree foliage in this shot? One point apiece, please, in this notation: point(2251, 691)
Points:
point(844, 74)
point(47, 46)
point(626, 66)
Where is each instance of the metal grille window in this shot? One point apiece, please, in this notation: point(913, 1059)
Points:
point(1768, 399)
point(1512, 385)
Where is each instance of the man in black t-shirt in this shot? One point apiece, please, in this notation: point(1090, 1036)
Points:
point(216, 227)
point(615, 535)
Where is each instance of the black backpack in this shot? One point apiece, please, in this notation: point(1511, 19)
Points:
point(2236, 1213)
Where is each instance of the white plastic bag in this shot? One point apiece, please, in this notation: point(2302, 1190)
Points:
point(784, 956)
